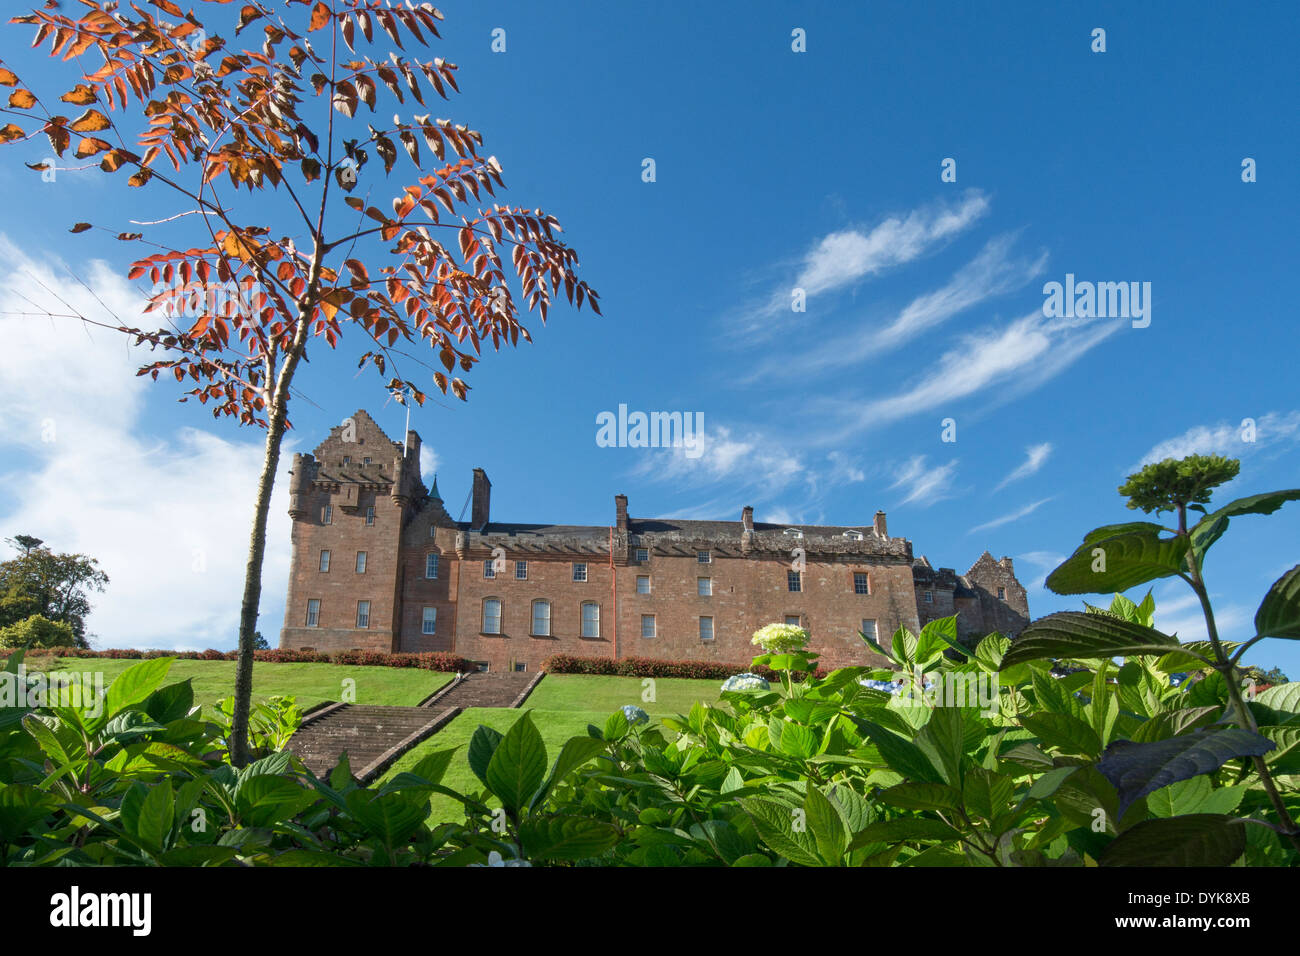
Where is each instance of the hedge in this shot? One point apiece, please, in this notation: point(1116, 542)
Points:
point(654, 667)
point(427, 661)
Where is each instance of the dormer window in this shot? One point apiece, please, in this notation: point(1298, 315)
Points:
point(1002, 594)
point(793, 532)
point(853, 535)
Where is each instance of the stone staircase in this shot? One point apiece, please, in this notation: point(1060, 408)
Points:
point(371, 736)
point(375, 736)
point(485, 690)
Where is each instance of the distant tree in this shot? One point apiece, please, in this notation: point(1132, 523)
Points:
point(257, 280)
point(54, 586)
point(37, 631)
point(259, 642)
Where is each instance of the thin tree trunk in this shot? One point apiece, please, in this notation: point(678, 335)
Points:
point(275, 425)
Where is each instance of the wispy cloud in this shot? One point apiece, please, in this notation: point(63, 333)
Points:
point(843, 258)
point(1035, 456)
point(1007, 519)
point(1233, 440)
point(924, 484)
point(989, 274)
point(1043, 563)
point(1019, 358)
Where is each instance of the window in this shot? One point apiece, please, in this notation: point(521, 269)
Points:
point(489, 569)
point(793, 532)
point(869, 629)
point(643, 584)
point(590, 619)
point(853, 535)
point(363, 614)
point(642, 555)
point(370, 514)
point(706, 628)
point(929, 597)
point(365, 461)
point(521, 570)
point(347, 459)
point(429, 623)
point(361, 562)
point(792, 620)
point(704, 557)
point(492, 616)
point(647, 625)
point(704, 587)
point(480, 666)
point(861, 583)
point(431, 566)
point(327, 515)
point(794, 580)
point(324, 560)
point(433, 530)
point(542, 618)
point(579, 571)
point(520, 668)
point(313, 613)
point(1002, 594)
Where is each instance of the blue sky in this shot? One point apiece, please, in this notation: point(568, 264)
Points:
point(774, 170)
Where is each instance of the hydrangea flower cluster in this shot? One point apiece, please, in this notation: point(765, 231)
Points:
point(635, 715)
point(889, 686)
point(746, 682)
point(495, 859)
point(780, 638)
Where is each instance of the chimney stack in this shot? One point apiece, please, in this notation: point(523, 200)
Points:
point(882, 530)
point(482, 497)
point(620, 512)
point(747, 518)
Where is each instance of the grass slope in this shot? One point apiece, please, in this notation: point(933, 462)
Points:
point(309, 683)
point(562, 706)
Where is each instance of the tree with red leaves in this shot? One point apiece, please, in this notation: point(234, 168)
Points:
point(243, 302)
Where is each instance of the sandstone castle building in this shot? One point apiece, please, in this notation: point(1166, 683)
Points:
point(379, 564)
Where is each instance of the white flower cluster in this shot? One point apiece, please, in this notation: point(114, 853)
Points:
point(746, 682)
point(780, 638)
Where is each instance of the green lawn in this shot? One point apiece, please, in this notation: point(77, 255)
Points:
point(606, 694)
point(309, 683)
point(562, 706)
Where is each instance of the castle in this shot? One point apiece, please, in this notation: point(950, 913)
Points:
point(379, 564)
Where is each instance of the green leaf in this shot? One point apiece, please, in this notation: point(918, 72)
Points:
point(1286, 758)
point(1201, 839)
point(1068, 734)
point(518, 765)
point(922, 796)
point(434, 765)
point(1194, 795)
point(1112, 564)
point(566, 838)
point(393, 817)
point(1173, 722)
point(481, 747)
point(1281, 697)
point(936, 637)
point(1077, 634)
point(775, 823)
point(795, 740)
point(910, 829)
point(21, 807)
point(154, 824)
point(616, 726)
point(902, 756)
point(135, 684)
point(1139, 769)
point(1279, 613)
point(575, 752)
point(826, 825)
point(942, 740)
point(171, 702)
point(986, 793)
point(1209, 529)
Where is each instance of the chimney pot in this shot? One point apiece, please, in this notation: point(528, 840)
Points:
point(482, 496)
point(747, 517)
